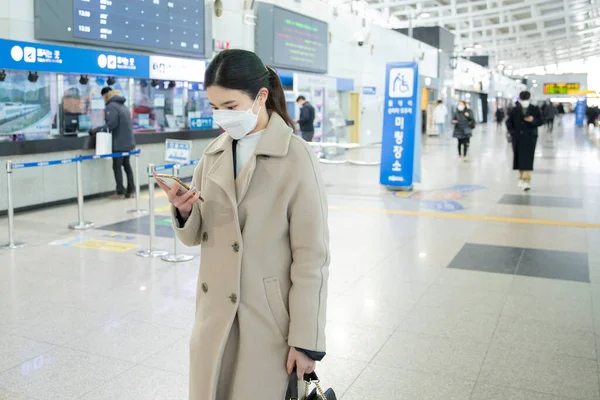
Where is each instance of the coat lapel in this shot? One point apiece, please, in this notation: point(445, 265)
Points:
point(222, 170)
point(274, 142)
point(242, 183)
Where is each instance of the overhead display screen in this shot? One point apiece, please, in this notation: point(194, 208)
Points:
point(560, 88)
point(162, 26)
point(290, 40)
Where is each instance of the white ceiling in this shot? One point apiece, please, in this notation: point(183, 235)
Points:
point(519, 33)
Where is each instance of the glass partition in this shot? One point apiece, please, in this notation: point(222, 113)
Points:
point(39, 106)
point(197, 105)
point(82, 105)
point(158, 106)
point(27, 104)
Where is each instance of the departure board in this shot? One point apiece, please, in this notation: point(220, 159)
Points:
point(173, 27)
point(300, 41)
point(167, 24)
point(290, 40)
point(560, 88)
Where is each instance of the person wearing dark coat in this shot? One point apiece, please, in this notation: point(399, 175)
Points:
point(499, 117)
point(118, 123)
point(307, 119)
point(549, 114)
point(560, 112)
point(464, 123)
point(522, 125)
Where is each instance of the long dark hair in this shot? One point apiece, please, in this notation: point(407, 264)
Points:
point(243, 70)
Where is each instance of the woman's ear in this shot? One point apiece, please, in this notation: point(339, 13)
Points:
point(263, 95)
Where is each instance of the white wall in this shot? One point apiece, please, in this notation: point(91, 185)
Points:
point(366, 64)
point(468, 76)
point(506, 87)
point(16, 20)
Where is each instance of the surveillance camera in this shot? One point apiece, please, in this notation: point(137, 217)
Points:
point(361, 43)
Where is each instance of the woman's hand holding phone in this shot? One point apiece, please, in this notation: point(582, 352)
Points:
point(182, 201)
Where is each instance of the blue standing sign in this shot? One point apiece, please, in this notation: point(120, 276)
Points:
point(400, 116)
point(580, 109)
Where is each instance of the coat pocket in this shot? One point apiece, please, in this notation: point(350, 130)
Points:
point(277, 306)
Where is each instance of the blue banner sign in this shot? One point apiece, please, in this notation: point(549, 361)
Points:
point(201, 123)
point(369, 90)
point(580, 109)
point(62, 59)
point(400, 116)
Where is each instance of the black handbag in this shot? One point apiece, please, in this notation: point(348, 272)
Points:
point(309, 379)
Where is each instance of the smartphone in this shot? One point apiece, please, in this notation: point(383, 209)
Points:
point(170, 181)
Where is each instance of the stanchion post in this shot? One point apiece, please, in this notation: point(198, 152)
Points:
point(175, 257)
point(137, 209)
point(81, 224)
point(151, 251)
point(11, 211)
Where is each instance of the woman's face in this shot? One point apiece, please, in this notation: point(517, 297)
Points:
point(221, 98)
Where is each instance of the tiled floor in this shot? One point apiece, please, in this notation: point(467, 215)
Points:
point(421, 306)
point(540, 201)
point(550, 264)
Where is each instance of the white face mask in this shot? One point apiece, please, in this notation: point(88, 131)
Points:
point(525, 103)
point(237, 123)
point(461, 107)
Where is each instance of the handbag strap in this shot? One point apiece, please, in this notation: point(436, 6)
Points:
point(292, 389)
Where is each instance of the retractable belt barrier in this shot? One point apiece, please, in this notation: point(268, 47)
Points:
point(347, 146)
point(151, 251)
point(80, 224)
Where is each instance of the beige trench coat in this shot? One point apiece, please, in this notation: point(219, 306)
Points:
point(262, 285)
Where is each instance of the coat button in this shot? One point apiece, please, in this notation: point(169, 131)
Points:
point(233, 298)
point(236, 247)
point(205, 237)
point(204, 287)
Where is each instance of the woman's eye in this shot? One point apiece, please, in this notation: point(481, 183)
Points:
point(231, 108)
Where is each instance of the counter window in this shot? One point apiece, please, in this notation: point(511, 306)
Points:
point(26, 105)
point(197, 105)
point(158, 106)
point(82, 104)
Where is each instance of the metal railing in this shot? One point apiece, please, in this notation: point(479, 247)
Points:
point(81, 224)
point(349, 147)
point(176, 256)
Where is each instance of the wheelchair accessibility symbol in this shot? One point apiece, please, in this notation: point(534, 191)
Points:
point(401, 82)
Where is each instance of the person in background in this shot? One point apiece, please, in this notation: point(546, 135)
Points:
point(440, 113)
point(522, 125)
point(118, 123)
point(307, 119)
point(549, 114)
point(499, 117)
point(464, 123)
point(262, 224)
point(560, 112)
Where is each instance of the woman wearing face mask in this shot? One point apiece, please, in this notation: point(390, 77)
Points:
point(262, 225)
point(522, 124)
point(464, 123)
